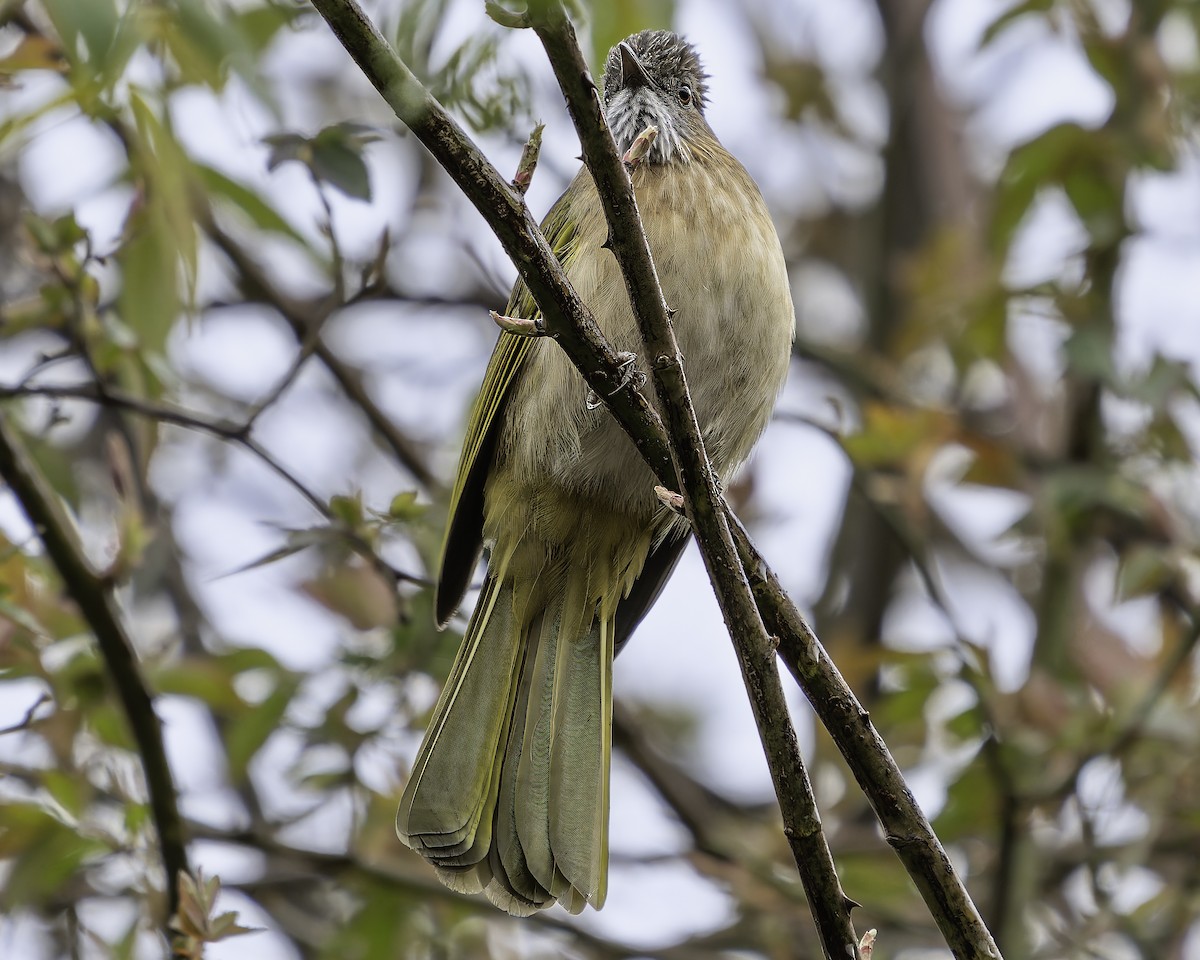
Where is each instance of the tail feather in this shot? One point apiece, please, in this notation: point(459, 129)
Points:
point(579, 761)
point(512, 876)
point(456, 775)
point(509, 791)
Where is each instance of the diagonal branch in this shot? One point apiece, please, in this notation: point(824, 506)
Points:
point(575, 330)
point(94, 598)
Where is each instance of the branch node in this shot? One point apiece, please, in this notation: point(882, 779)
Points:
point(505, 17)
point(529, 159)
point(519, 326)
point(670, 499)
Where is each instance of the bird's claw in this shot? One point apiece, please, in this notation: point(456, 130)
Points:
point(627, 363)
point(629, 372)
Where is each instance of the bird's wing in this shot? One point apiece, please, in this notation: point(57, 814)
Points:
point(464, 524)
point(646, 588)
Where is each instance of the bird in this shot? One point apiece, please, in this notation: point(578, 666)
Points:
point(508, 794)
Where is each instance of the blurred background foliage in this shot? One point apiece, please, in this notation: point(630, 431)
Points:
point(190, 328)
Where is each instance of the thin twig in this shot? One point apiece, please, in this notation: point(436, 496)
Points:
point(257, 285)
point(236, 433)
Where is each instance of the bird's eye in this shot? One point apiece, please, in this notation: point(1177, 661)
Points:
point(685, 94)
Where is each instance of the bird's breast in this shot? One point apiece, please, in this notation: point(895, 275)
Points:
point(722, 272)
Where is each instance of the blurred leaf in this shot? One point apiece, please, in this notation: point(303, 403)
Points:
point(972, 805)
point(357, 592)
point(1067, 156)
point(42, 854)
point(334, 156)
point(1166, 439)
point(196, 919)
point(285, 147)
point(70, 790)
point(489, 92)
point(1014, 13)
point(88, 30)
point(890, 435)
point(160, 234)
point(804, 86)
point(1088, 352)
point(109, 723)
point(252, 204)
point(207, 680)
point(261, 24)
point(404, 507)
point(348, 509)
point(34, 53)
point(1144, 569)
point(246, 734)
point(243, 659)
point(297, 540)
point(613, 20)
point(341, 165)
point(1165, 380)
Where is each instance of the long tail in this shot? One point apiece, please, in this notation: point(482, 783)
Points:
point(509, 792)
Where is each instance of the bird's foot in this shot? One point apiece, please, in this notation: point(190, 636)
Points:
point(627, 363)
point(629, 372)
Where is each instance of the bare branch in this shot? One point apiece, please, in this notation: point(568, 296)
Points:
point(94, 598)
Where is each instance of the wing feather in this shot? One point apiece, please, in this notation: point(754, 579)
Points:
point(464, 524)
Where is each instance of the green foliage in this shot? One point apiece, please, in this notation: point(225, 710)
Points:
point(469, 79)
point(334, 156)
point(938, 389)
point(613, 21)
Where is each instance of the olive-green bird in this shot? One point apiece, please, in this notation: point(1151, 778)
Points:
point(509, 791)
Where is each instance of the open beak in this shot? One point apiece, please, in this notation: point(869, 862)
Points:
point(633, 74)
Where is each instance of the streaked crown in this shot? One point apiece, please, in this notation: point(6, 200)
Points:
point(655, 78)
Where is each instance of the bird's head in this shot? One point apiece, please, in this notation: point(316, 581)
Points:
point(655, 78)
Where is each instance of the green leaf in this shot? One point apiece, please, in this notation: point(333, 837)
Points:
point(614, 20)
point(252, 204)
point(260, 25)
point(1040, 163)
point(342, 166)
point(247, 658)
point(404, 507)
point(285, 147)
point(246, 735)
point(88, 30)
point(297, 540)
point(42, 852)
point(1144, 570)
point(1088, 352)
point(970, 804)
point(72, 792)
point(348, 509)
point(202, 678)
point(357, 592)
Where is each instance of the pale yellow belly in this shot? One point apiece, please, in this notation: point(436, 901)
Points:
point(734, 323)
